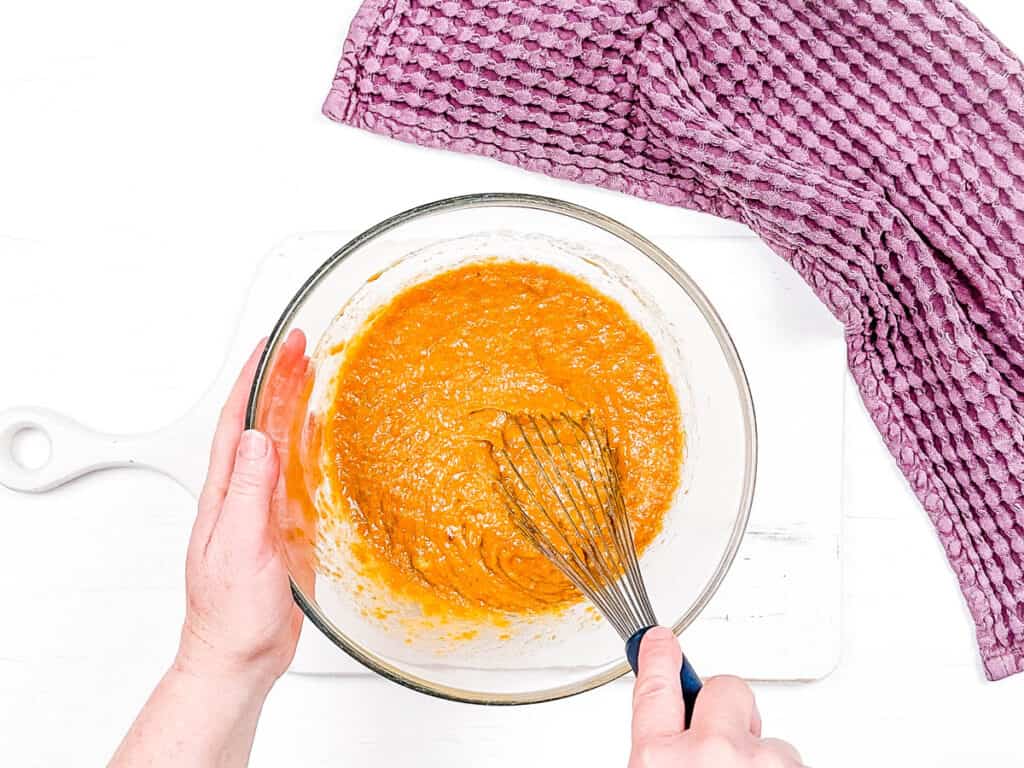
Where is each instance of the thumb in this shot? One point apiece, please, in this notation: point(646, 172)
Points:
point(658, 709)
point(245, 516)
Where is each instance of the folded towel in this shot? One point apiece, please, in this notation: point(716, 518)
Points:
point(876, 145)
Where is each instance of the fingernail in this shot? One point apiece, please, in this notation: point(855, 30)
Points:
point(253, 445)
point(660, 634)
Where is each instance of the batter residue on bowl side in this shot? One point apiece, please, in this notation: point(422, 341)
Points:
point(419, 394)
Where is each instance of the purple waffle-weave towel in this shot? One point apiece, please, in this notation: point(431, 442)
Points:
point(876, 145)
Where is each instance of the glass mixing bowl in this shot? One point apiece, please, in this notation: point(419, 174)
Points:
point(533, 658)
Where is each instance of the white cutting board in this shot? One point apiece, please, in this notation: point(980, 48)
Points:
point(776, 616)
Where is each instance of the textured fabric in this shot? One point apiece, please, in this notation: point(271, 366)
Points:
point(876, 145)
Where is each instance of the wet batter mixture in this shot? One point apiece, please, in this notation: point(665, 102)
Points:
point(418, 399)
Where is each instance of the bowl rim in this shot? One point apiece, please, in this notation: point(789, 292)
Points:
point(309, 606)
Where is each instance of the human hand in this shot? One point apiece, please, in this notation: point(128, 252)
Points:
point(725, 731)
point(241, 622)
point(241, 625)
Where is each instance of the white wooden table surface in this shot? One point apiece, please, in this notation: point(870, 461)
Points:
point(149, 155)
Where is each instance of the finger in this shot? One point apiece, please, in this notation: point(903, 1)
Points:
point(783, 750)
point(755, 721)
point(244, 519)
point(657, 696)
point(225, 441)
point(279, 409)
point(726, 705)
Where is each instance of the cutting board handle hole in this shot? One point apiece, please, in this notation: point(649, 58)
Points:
point(31, 448)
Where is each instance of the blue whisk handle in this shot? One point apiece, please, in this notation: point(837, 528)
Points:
point(687, 675)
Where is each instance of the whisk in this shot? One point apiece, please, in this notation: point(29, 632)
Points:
point(558, 477)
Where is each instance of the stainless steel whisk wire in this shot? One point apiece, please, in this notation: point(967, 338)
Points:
point(592, 542)
point(600, 557)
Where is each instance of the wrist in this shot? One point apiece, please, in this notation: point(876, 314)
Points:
point(198, 660)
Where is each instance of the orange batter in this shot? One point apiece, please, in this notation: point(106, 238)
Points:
point(416, 399)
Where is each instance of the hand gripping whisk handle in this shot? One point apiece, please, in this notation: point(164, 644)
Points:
point(687, 675)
